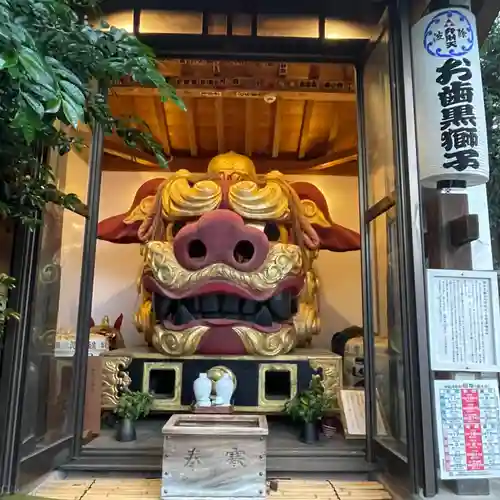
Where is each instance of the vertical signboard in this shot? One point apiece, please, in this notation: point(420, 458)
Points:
point(468, 419)
point(464, 316)
point(449, 101)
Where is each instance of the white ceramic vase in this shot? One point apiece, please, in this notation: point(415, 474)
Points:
point(202, 388)
point(224, 388)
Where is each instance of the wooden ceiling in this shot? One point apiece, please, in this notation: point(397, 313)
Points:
point(292, 117)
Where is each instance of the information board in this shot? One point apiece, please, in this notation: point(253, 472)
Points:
point(353, 414)
point(464, 320)
point(468, 428)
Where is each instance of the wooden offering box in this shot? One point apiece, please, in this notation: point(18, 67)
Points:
point(214, 457)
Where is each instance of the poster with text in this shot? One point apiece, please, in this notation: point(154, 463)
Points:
point(468, 428)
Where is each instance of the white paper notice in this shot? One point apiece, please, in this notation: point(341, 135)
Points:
point(353, 407)
point(468, 425)
point(463, 320)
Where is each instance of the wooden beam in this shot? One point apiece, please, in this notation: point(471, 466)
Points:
point(277, 128)
point(333, 163)
point(115, 145)
point(248, 128)
point(161, 116)
point(341, 166)
point(219, 121)
point(131, 157)
point(292, 95)
point(305, 128)
point(345, 169)
point(199, 165)
point(191, 127)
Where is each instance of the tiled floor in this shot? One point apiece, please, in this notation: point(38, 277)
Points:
point(140, 489)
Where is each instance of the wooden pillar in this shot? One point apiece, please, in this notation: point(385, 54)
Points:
point(449, 231)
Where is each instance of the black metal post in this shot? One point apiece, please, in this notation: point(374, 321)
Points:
point(368, 333)
point(15, 354)
point(87, 284)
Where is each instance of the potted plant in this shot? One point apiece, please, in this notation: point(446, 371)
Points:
point(308, 407)
point(131, 407)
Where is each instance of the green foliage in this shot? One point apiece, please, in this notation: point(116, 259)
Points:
point(134, 405)
point(50, 59)
point(310, 405)
point(6, 283)
point(490, 64)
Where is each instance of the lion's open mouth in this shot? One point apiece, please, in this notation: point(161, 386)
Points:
point(225, 306)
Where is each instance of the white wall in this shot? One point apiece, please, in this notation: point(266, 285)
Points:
point(75, 180)
point(117, 266)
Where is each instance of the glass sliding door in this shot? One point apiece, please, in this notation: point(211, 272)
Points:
point(48, 419)
point(381, 227)
point(398, 389)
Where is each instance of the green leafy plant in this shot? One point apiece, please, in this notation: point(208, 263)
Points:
point(490, 69)
point(7, 283)
point(51, 59)
point(134, 405)
point(310, 405)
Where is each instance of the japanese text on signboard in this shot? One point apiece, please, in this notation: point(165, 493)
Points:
point(459, 136)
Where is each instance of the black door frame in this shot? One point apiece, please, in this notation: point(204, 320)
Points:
point(18, 337)
point(423, 474)
point(15, 354)
point(420, 465)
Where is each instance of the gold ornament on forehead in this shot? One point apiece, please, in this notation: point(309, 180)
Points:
point(232, 165)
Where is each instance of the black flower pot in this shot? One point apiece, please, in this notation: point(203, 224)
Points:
point(125, 430)
point(309, 434)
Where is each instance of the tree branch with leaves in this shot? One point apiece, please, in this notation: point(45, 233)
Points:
point(490, 66)
point(50, 60)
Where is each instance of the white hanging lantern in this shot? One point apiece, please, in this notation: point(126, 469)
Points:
point(449, 102)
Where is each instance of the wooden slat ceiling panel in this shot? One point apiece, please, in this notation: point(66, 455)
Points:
point(234, 124)
point(177, 123)
point(205, 125)
point(146, 109)
point(347, 126)
point(306, 117)
point(291, 119)
point(317, 140)
point(261, 127)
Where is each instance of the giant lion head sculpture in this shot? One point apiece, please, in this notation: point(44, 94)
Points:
point(228, 259)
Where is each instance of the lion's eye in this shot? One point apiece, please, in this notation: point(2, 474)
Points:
point(176, 227)
point(272, 231)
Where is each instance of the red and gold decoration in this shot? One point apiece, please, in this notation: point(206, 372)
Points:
point(228, 259)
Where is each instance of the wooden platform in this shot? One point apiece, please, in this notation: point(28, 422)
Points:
point(286, 454)
point(139, 489)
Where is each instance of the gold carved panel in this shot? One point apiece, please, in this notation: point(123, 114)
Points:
point(164, 404)
point(276, 404)
point(331, 369)
point(115, 379)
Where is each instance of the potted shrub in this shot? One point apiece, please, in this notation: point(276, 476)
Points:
point(131, 407)
point(308, 407)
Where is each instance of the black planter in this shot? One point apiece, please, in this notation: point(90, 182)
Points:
point(125, 430)
point(309, 433)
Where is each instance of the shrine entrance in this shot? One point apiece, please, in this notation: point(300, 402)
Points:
point(338, 116)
